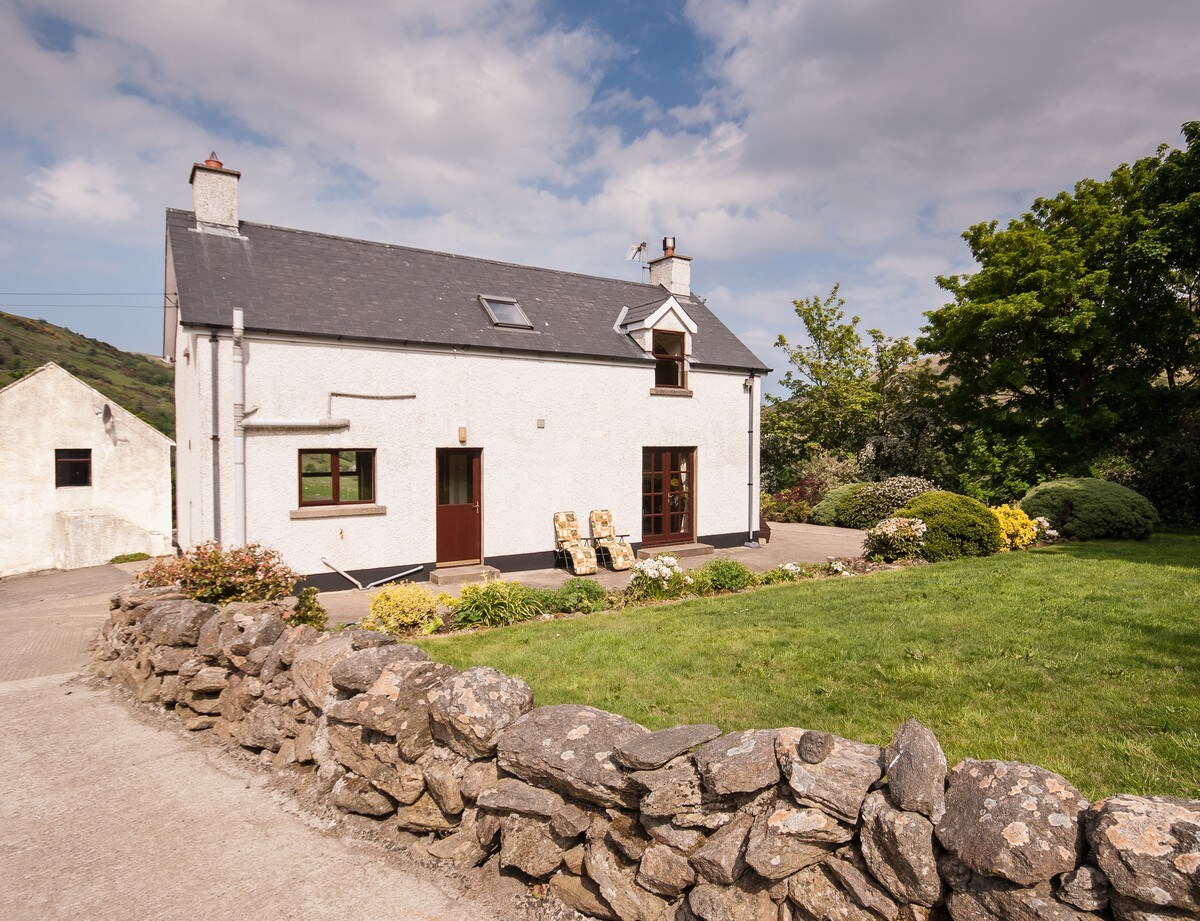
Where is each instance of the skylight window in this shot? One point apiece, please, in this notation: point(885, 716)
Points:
point(505, 311)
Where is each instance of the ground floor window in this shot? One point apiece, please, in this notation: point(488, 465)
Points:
point(337, 477)
point(668, 495)
point(72, 467)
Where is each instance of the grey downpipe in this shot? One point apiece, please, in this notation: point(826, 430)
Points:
point(751, 519)
point(239, 434)
point(216, 437)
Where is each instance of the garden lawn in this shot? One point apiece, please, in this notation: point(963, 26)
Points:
point(1081, 658)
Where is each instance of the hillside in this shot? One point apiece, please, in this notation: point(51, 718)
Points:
point(144, 386)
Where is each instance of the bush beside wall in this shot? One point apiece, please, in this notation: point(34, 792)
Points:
point(619, 822)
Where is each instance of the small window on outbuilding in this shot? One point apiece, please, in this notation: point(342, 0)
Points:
point(669, 368)
point(505, 311)
point(72, 467)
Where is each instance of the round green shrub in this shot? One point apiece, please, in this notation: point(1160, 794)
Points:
point(578, 596)
point(954, 526)
point(1089, 509)
point(825, 512)
point(866, 507)
point(723, 576)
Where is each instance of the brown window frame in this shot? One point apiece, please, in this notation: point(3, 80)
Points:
point(335, 474)
point(66, 465)
point(661, 359)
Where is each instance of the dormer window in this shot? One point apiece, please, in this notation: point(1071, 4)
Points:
point(505, 311)
point(669, 368)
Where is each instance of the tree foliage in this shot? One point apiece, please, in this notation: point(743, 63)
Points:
point(843, 391)
point(1079, 335)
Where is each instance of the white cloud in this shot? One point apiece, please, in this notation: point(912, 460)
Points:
point(79, 190)
point(850, 141)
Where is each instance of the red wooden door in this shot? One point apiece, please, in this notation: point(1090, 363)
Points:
point(668, 495)
point(459, 506)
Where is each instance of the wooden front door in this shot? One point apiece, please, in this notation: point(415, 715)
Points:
point(459, 506)
point(668, 495)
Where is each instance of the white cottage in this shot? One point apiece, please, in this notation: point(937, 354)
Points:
point(84, 480)
point(368, 408)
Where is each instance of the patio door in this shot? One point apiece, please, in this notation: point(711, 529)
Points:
point(459, 506)
point(668, 495)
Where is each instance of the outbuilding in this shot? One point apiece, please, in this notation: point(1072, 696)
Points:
point(84, 479)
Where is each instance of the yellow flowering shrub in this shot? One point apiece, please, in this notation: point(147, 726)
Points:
point(403, 608)
point(1016, 528)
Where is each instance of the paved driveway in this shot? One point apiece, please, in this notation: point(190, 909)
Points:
point(109, 816)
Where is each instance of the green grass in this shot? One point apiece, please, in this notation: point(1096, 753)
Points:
point(1081, 658)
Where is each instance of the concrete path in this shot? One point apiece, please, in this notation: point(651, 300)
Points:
point(107, 816)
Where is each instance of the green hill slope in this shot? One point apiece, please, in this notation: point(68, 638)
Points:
point(144, 386)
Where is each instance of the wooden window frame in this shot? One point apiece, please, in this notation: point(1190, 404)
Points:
point(336, 474)
point(679, 361)
point(63, 465)
point(662, 455)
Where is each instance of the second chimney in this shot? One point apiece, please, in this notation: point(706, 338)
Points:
point(215, 194)
point(672, 271)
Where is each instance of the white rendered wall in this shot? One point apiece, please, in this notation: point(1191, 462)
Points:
point(127, 509)
point(597, 417)
point(193, 423)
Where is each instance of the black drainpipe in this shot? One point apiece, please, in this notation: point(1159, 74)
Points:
point(216, 438)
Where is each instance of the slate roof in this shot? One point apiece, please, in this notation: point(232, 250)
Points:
point(294, 281)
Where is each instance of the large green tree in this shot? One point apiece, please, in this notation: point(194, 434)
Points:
point(844, 392)
point(1081, 311)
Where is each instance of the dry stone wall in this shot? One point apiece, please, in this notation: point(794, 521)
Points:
point(686, 823)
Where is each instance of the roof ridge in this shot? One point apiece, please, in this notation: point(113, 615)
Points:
point(432, 252)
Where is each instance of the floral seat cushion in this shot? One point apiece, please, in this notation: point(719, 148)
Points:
point(580, 557)
point(620, 554)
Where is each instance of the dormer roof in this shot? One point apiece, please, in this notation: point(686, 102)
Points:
point(649, 315)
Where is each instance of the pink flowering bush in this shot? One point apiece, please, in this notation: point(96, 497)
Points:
point(219, 575)
point(895, 539)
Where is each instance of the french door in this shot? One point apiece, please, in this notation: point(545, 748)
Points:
point(668, 495)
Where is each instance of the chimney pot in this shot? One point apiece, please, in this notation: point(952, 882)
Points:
point(668, 246)
point(213, 161)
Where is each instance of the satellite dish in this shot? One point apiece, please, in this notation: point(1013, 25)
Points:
point(106, 414)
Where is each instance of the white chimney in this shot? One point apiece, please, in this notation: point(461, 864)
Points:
point(214, 194)
point(671, 271)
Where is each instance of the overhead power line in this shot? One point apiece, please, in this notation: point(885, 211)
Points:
point(81, 294)
point(80, 306)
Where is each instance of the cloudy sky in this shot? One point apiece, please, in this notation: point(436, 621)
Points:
point(787, 144)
